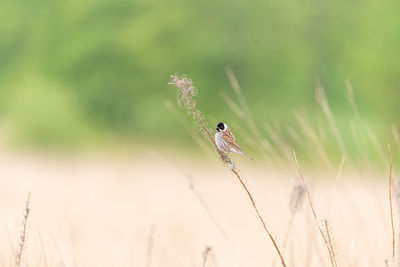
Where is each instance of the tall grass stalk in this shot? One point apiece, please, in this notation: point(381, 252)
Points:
point(324, 236)
point(23, 235)
point(323, 101)
point(186, 93)
point(303, 119)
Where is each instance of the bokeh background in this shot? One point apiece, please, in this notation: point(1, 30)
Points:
point(121, 176)
point(83, 74)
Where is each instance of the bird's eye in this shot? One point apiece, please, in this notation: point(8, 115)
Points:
point(221, 126)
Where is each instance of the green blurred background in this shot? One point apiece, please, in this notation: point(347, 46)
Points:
point(82, 73)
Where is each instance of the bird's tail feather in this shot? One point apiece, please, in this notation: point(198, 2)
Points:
point(241, 152)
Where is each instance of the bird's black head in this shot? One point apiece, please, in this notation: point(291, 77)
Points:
point(220, 126)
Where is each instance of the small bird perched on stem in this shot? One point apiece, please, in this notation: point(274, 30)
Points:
point(226, 141)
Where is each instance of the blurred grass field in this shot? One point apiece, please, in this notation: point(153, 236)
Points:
point(120, 176)
point(97, 211)
point(157, 206)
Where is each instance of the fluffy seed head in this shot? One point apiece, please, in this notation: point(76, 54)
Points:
point(297, 195)
point(186, 92)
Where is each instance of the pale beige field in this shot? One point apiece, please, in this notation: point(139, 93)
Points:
point(138, 210)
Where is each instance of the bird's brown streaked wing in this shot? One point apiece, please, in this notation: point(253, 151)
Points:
point(230, 139)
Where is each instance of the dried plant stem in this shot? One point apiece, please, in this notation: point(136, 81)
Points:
point(329, 239)
point(187, 90)
point(202, 124)
point(286, 237)
point(22, 240)
point(247, 191)
point(323, 101)
point(260, 217)
point(331, 254)
point(390, 203)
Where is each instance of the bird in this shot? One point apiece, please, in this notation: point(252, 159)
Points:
point(225, 140)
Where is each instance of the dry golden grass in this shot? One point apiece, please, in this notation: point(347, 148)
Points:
point(97, 211)
point(140, 210)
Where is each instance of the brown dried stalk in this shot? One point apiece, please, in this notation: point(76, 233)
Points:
point(186, 92)
point(329, 239)
point(331, 254)
point(260, 217)
point(22, 238)
point(390, 203)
